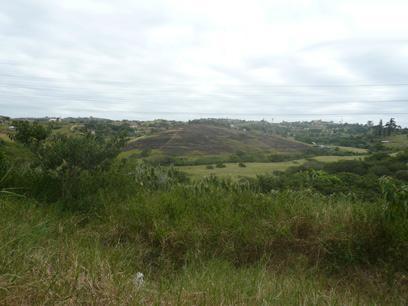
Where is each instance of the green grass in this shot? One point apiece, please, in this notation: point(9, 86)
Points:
point(128, 154)
point(65, 129)
point(253, 169)
point(351, 149)
point(4, 137)
point(397, 142)
point(195, 248)
point(16, 151)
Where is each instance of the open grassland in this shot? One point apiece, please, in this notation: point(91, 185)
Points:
point(198, 248)
point(350, 149)
point(4, 137)
point(397, 142)
point(16, 151)
point(252, 169)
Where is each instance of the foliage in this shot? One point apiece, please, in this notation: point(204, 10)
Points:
point(220, 165)
point(156, 177)
point(396, 198)
point(30, 133)
point(66, 258)
point(89, 222)
point(71, 154)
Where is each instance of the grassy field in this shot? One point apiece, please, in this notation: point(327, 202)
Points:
point(4, 137)
point(253, 169)
point(195, 249)
point(351, 149)
point(397, 142)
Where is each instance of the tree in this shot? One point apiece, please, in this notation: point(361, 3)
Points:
point(391, 126)
point(78, 152)
point(380, 128)
point(67, 158)
point(30, 133)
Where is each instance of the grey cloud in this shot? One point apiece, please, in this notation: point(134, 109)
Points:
point(135, 60)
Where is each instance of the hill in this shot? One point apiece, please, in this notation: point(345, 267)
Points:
point(78, 226)
point(210, 139)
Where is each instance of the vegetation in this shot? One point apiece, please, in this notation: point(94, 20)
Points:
point(29, 133)
point(252, 169)
point(78, 224)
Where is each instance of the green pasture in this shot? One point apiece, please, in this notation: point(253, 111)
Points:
point(252, 169)
point(397, 142)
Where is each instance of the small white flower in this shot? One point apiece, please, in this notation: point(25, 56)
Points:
point(138, 279)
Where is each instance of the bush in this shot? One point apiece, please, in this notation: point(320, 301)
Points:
point(402, 175)
point(73, 167)
point(351, 166)
point(30, 133)
point(380, 170)
point(220, 165)
point(145, 153)
point(242, 227)
point(242, 165)
point(209, 167)
point(395, 195)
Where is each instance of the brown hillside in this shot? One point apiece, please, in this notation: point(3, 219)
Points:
point(207, 139)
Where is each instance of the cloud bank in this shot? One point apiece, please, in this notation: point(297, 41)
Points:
point(282, 60)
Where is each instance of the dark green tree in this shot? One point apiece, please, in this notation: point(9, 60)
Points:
point(67, 158)
point(30, 133)
point(391, 126)
point(380, 128)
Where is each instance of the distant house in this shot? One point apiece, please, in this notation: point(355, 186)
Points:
point(11, 127)
point(54, 119)
point(385, 141)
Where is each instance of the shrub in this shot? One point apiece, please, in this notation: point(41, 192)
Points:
point(220, 165)
point(380, 170)
point(396, 198)
point(351, 166)
point(402, 175)
point(156, 177)
point(209, 167)
point(242, 165)
point(30, 133)
point(69, 164)
point(145, 153)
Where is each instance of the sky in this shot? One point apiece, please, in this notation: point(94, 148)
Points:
point(340, 60)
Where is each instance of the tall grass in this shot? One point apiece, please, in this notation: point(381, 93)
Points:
point(186, 224)
point(201, 245)
point(209, 242)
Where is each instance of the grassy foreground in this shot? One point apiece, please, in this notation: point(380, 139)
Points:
point(202, 245)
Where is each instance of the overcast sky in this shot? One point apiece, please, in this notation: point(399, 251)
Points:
point(281, 60)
